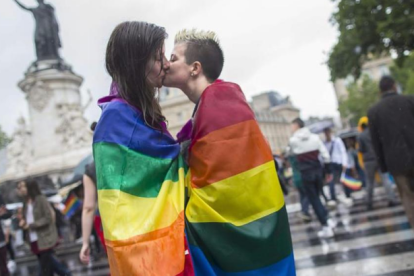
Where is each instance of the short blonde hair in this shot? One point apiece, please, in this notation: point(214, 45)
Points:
point(194, 35)
point(204, 47)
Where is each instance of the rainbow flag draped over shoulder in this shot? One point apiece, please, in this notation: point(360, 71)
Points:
point(237, 223)
point(140, 193)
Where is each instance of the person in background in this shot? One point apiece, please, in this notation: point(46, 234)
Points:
point(391, 125)
point(4, 214)
point(352, 166)
point(371, 167)
point(90, 213)
point(339, 161)
point(280, 172)
point(297, 181)
point(38, 219)
point(9, 246)
point(307, 147)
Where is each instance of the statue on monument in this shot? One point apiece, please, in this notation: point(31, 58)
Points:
point(47, 39)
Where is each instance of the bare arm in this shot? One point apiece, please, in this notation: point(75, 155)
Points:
point(89, 207)
point(88, 213)
point(22, 6)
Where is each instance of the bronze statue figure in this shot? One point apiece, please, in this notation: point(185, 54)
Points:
point(47, 39)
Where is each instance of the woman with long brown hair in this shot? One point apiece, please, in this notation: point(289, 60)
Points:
point(39, 222)
point(140, 178)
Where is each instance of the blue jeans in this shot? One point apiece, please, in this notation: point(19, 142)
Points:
point(371, 168)
point(312, 182)
point(304, 200)
point(337, 172)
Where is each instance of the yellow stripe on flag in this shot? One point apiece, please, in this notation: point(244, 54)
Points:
point(125, 216)
point(239, 199)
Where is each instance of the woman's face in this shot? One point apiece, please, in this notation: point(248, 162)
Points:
point(21, 189)
point(156, 68)
point(179, 72)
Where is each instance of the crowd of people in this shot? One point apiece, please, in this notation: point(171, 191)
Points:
point(384, 147)
point(209, 201)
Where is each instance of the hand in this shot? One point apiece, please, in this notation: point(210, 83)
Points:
point(23, 224)
point(85, 253)
point(19, 214)
point(329, 178)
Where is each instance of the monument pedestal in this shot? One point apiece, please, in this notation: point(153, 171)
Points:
point(58, 137)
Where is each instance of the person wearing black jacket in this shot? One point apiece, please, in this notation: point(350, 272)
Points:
point(391, 124)
point(371, 167)
point(4, 214)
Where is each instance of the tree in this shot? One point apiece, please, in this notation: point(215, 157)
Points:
point(368, 29)
point(4, 139)
point(362, 95)
point(405, 75)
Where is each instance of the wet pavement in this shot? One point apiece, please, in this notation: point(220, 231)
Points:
point(378, 242)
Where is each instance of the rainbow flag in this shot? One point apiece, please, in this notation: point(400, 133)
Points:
point(237, 224)
point(140, 193)
point(72, 204)
point(351, 182)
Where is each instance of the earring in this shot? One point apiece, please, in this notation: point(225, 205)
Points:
point(192, 74)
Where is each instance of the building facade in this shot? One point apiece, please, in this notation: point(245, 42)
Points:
point(375, 69)
point(273, 113)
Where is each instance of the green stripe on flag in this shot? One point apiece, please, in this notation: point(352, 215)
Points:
point(118, 167)
point(252, 246)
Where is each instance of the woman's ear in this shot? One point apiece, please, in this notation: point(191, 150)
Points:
point(196, 69)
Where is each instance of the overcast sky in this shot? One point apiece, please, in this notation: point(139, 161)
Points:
point(268, 45)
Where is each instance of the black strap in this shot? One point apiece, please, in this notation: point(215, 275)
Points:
point(195, 108)
point(332, 148)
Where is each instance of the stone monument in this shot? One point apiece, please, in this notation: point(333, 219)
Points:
point(57, 137)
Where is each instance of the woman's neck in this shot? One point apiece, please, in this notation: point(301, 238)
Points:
point(195, 89)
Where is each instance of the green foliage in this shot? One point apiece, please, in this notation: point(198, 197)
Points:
point(369, 28)
point(4, 139)
point(362, 95)
point(405, 75)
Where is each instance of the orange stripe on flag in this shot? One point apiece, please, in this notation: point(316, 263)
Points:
point(228, 151)
point(160, 252)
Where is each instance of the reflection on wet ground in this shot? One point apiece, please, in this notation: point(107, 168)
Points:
point(378, 242)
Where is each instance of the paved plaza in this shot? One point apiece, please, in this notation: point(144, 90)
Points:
point(377, 242)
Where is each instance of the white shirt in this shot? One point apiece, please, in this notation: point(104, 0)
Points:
point(30, 220)
point(337, 151)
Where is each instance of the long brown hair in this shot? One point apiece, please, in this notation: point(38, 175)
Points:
point(32, 187)
point(131, 46)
